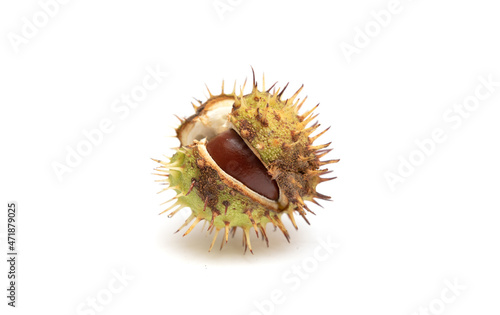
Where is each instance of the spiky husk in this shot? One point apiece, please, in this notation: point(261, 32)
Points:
point(280, 137)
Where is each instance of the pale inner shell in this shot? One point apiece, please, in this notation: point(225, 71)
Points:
point(210, 123)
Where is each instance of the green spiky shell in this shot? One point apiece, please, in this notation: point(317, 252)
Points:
point(279, 136)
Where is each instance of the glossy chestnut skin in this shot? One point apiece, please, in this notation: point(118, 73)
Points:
point(232, 154)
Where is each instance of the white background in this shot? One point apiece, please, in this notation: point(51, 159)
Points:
point(398, 247)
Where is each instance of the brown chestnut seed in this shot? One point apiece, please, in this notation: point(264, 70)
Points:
point(235, 158)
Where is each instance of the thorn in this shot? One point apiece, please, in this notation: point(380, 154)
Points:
point(222, 87)
point(318, 147)
point(275, 93)
point(310, 130)
point(176, 187)
point(323, 179)
point(213, 241)
point(294, 105)
point(263, 82)
point(249, 213)
point(282, 91)
point(170, 208)
point(188, 220)
point(307, 208)
point(160, 174)
point(175, 168)
point(171, 199)
point(234, 88)
point(163, 190)
point(305, 158)
point(174, 212)
point(319, 134)
point(214, 215)
point(174, 148)
point(322, 153)
point(270, 219)
point(210, 228)
point(321, 196)
point(309, 112)
point(247, 240)
point(244, 84)
point(205, 205)
point(290, 215)
point(291, 99)
point(226, 235)
point(268, 90)
point(264, 235)
point(317, 203)
point(282, 228)
point(161, 169)
point(318, 172)
point(164, 163)
point(198, 219)
point(210, 93)
point(321, 163)
point(221, 244)
point(302, 103)
point(190, 187)
point(180, 119)
point(308, 120)
point(253, 76)
point(226, 232)
point(304, 217)
point(325, 171)
point(299, 199)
